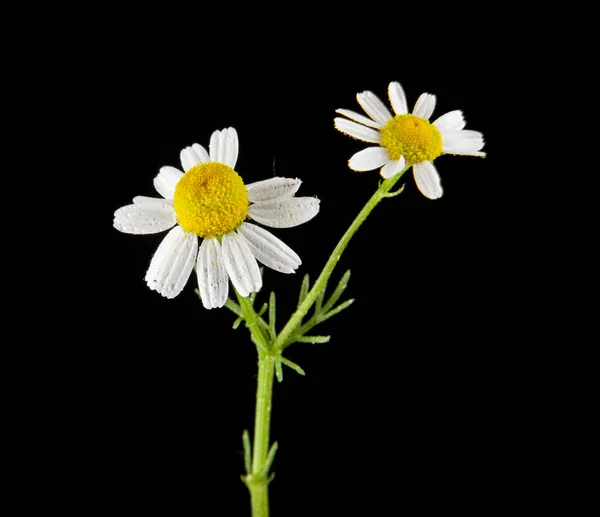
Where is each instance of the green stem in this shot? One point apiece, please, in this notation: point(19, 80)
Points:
point(381, 193)
point(259, 500)
point(253, 324)
point(259, 480)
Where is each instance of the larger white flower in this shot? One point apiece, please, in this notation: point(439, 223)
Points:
point(407, 139)
point(211, 202)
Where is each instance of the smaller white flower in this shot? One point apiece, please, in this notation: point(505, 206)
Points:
point(210, 201)
point(407, 139)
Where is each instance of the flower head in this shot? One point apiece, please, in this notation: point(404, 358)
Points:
point(407, 139)
point(209, 201)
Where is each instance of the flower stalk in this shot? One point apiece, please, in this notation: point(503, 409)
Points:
point(258, 479)
point(270, 346)
point(381, 193)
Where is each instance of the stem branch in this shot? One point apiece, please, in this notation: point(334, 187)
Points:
point(311, 296)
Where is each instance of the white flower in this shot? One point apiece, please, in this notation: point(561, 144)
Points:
point(211, 202)
point(407, 139)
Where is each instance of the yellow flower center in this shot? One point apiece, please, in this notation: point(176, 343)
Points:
point(210, 200)
point(412, 137)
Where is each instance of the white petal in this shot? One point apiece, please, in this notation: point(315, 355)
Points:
point(424, 106)
point(232, 147)
point(268, 249)
point(374, 107)
point(188, 158)
point(224, 146)
point(213, 282)
point(193, 155)
point(216, 146)
point(165, 181)
point(141, 219)
point(369, 159)
point(357, 131)
point(156, 201)
point(393, 167)
point(271, 189)
point(451, 121)
point(284, 213)
point(357, 117)
point(172, 263)
point(201, 153)
point(463, 142)
point(397, 98)
point(427, 179)
point(163, 252)
point(464, 152)
point(240, 264)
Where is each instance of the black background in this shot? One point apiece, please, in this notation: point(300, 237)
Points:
point(412, 406)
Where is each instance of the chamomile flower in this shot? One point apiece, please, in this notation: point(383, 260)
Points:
point(407, 138)
point(209, 202)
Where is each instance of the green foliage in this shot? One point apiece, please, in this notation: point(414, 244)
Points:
point(247, 451)
point(323, 310)
point(264, 333)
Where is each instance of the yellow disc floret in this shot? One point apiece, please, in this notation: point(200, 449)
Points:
point(412, 137)
point(210, 200)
